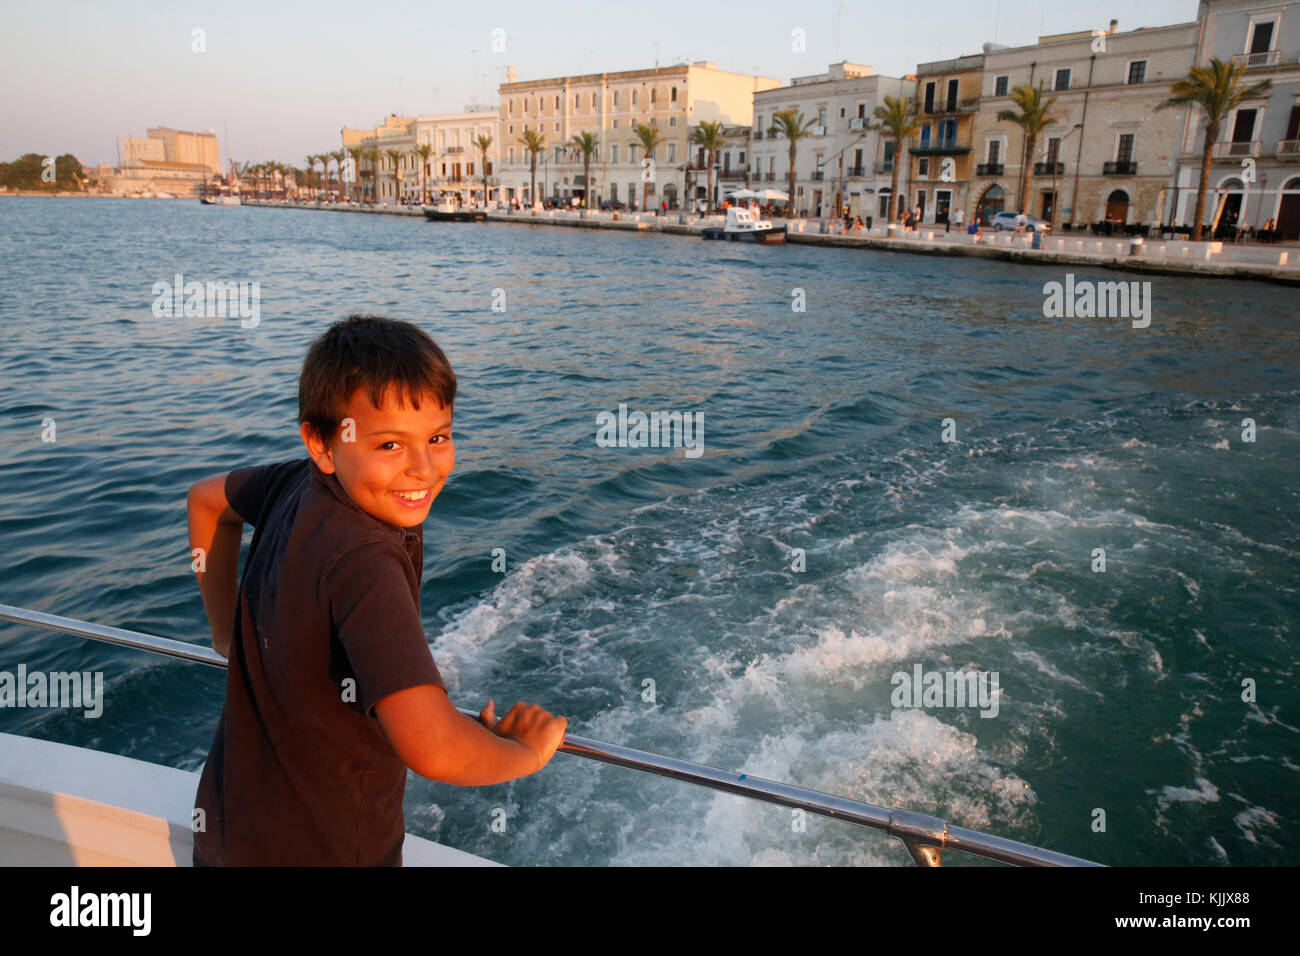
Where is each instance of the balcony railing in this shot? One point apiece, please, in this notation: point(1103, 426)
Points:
point(1119, 169)
point(1049, 169)
point(886, 167)
point(1267, 58)
point(455, 149)
point(989, 169)
point(1289, 147)
point(855, 172)
point(818, 175)
point(941, 147)
point(758, 134)
point(737, 172)
point(1236, 149)
point(769, 177)
point(969, 105)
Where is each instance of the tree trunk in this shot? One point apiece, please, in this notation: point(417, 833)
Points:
point(894, 209)
point(713, 206)
point(789, 206)
point(1211, 135)
point(532, 180)
point(1027, 174)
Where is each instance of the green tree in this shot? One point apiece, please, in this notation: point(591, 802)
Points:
point(587, 143)
point(650, 139)
point(534, 143)
point(1217, 90)
point(484, 143)
point(790, 124)
point(1032, 115)
point(394, 157)
point(709, 135)
point(899, 120)
point(424, 151)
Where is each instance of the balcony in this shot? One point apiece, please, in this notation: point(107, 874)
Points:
point(758, 134)
point(1049, 169)
point(769, 177)
point(1237, 149)
point(855, 172)
point(942, 147)
point(969, 105)
point(1252, 60)
point(454, 149)
point(886, 167)
point(730, 173)
point(818, 176)
point(1289, 149)
point(857, 122)
point(1119, 169)
point(989, 169)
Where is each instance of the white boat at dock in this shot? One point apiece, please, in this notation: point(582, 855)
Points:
point(744, 225)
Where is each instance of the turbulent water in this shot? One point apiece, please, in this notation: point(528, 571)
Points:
point(631, 570)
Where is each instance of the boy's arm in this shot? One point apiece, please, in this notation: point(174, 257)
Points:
point(216, 528)
point(437, 741)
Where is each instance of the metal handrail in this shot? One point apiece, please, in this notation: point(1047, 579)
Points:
point(924, 836)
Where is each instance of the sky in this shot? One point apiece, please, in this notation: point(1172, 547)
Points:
point(285, 76)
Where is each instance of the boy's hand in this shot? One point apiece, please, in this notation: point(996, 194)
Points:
point(530, 725)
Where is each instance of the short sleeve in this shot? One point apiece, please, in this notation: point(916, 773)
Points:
point(378, 623)
point(251, 490)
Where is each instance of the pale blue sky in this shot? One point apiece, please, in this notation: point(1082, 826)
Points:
point(285, 75)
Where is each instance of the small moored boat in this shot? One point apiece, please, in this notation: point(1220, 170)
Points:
point(744, 226)
point(450, 212)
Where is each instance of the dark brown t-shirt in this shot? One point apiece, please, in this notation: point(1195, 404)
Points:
point(327, 623)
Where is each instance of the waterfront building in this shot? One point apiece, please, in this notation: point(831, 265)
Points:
point(1109, 154)
point(1255, 171)
point(844, 161)
point(941, 158)
point(165, 160)
point(674, 99)
point(454, 168)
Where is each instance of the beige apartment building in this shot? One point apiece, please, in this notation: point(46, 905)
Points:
point(165, 160)
point(941, 157)
point(844, 161)
point(1109, 155)
point(673, 99)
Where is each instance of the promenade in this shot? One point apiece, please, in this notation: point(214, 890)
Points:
point(1272, 263)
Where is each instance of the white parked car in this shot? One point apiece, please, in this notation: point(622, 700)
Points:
point(1007, 220)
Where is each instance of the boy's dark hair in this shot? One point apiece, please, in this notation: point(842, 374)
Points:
point(373, 353)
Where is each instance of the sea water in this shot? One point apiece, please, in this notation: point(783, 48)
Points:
point(906, 466)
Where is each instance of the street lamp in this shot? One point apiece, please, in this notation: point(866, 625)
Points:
point(1051, 225)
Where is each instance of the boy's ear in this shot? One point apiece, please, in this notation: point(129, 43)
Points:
point(319, 451)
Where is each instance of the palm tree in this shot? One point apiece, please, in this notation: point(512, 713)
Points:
point(339, 156)
point(424, 151)
point(484, 143)
point(372, 159)
point(1032, 117)
point(311, 168)
point(534, 143)
point(709, 135)
point(394, 157)
point(791, 125)
point(1217, 89)
point(587, 142)
point(356, 154)
point(900, 120)
point(650, 139)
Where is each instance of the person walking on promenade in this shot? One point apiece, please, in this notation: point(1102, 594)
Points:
point(663, 207)
point(1021, 222)
point(958, 219)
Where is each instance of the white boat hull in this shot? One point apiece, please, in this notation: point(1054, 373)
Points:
point(68, 806)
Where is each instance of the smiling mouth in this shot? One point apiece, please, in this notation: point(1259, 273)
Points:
point(413, 497)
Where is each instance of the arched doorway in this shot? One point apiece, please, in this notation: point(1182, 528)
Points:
point(1288, 211)
point(1227, 205)
point(670, 195)
point(1117, 204)
point(991, 202)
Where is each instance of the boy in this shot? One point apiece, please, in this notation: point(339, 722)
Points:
point(332, 692)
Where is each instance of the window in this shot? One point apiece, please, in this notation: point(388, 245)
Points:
point(821, 116)
point(929, 97)
point(1000, 85)
point(672, 121)
point(923, 166)
point(1137, 71)
point(952, 95)
point(862, 111)
point(1062, 80)
point(995, 152)
point(577, 101)
point(925, 136)
point(616, 98)
point(634, 99)
point(613, 154)
point(1124, 153)
point(653, 98)
point(512, 129)
point(1053, 149)
point(758, 122)
point(557, 127)
point(557, 103)
point(1243, 127)
point(672, 152)
point(613, 190)
point(512, 107)
point(674, 94)
point(742, 157)
point(631, 152)
point(841, 112)
point(615, 124)
point(1261, 37)
point(512, 155)
point(593, 102)
point(948, 132)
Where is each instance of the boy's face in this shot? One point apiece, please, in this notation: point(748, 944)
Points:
point(398, 459)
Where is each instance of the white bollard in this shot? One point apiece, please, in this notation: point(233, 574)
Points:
point(1281, 258)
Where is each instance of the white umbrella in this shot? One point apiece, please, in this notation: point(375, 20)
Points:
point(743, 193)
point(770, 194)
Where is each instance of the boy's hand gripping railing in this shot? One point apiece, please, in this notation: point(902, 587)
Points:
point(924, 836)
